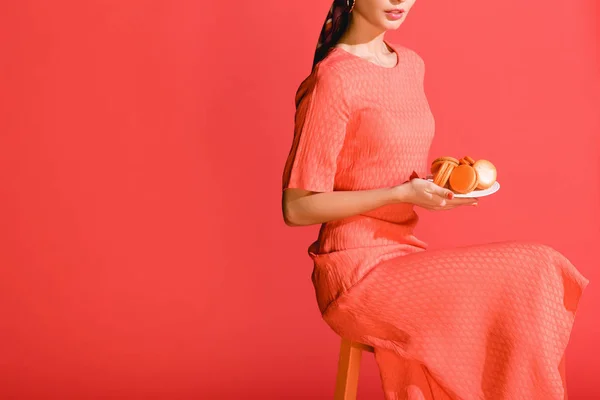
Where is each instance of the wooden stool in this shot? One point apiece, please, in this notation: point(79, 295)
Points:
point(348, 369)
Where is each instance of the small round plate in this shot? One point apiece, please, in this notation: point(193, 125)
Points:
point(478, 193)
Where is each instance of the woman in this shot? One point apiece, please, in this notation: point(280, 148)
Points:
point(479, 322)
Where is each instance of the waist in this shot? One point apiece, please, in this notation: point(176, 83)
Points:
point(368, 230)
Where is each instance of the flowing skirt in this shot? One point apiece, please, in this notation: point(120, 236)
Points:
point(487, 321)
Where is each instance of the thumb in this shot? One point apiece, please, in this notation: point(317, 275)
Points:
point(443, 192)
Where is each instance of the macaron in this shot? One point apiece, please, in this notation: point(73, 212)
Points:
point(437, 163)
point(486, 173)
point(463, 179)
point(469, 160)
point(443, 174)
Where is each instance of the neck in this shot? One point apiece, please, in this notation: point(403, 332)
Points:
point(363, 37)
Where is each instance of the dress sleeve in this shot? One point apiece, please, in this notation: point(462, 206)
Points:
point(321, 119)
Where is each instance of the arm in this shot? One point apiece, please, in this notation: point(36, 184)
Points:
point(302, 207)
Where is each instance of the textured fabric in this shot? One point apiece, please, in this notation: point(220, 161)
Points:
point(487, 321)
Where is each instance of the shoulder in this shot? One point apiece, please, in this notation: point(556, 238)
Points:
point(411, 54)
point(411, 59)
point(326, 78)
point(332, 69)
point(328, 75)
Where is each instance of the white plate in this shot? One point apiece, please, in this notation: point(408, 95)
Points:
point(478, 193)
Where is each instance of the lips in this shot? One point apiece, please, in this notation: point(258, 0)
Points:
point(395, 11)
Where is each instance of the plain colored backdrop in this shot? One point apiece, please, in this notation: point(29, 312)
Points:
point(142, 250)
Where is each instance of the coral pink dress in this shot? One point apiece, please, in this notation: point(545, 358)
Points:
point(479, 322)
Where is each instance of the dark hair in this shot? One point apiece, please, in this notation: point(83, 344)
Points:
point(334, 27)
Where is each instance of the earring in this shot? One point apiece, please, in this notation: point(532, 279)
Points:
point(350, 7)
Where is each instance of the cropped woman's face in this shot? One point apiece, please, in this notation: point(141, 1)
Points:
point(384, 14)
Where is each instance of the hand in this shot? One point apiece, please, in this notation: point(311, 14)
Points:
point(428, 195)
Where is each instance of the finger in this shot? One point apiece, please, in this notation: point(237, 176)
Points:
point(435, 199)
point(438, 201)
point(472, 203)
point(462, 201)
point(449, 207)
point(443, 192)
point(459, 203)
point(439, 192)
point(428, 195)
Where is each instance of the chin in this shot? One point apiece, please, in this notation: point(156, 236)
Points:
point(391, 25)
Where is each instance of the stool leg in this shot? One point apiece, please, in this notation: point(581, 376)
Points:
point(348, 369)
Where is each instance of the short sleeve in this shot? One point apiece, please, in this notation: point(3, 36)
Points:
point(420, 64)
point(322, 115)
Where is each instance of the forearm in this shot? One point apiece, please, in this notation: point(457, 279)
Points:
point(324, 207)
